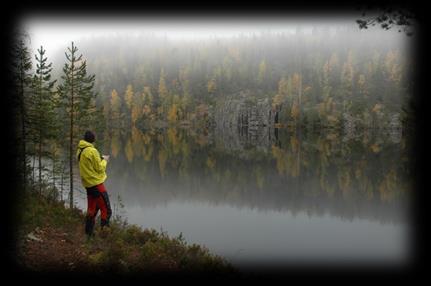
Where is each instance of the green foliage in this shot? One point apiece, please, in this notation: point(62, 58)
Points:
point(43, 210)
point(21, 75)
point(77, 93)
point(41, 110)
point(77, 100)
point(120, 248)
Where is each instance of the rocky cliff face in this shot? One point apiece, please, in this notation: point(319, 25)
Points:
point(243, 110)
point(244, 121)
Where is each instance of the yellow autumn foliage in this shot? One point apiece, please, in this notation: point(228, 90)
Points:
point(129, 150)
point(211, 163)
point(375, 148)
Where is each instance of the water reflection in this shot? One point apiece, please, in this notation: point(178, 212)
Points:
point(359, 177)
point(185, 180)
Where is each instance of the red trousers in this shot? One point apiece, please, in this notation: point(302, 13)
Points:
point(97, 199)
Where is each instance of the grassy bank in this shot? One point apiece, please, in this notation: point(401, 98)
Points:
point(51, 238)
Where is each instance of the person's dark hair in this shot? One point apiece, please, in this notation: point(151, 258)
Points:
point(89, 136)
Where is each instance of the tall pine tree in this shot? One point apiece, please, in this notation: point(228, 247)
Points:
point(77, 95)
point(41, 114)
point(21, 73)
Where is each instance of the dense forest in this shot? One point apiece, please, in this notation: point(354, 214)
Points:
point(340, 78)
point(325, 75)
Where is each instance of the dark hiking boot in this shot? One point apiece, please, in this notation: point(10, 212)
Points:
point(89, 226)
point(104, 222)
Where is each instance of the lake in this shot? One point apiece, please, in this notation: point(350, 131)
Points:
point(268, 196)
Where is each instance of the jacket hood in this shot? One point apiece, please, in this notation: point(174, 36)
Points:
point(83, 143)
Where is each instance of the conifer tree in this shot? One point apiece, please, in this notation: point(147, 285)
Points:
point(115, 108)
point(263, 73)
point(129, 96)
point(163, 93)
point(77, 96)
point(128, 100)
point(21, 73)
point(42, 114)
point(137, 106)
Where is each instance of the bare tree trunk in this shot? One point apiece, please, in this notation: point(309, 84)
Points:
point(300, 95)
point(53, 172)
point(23, 133)
point(298, 159)
point(70, 154)
point(62, 182)
point(23, 138)
point(32, 173)
point(40, 162)
point(40, 136)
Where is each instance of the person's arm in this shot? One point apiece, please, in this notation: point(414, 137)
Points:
point(99, 162)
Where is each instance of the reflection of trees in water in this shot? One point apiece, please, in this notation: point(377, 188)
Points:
point(310, 172)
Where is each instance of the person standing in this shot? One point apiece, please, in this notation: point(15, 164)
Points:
point(92, 169)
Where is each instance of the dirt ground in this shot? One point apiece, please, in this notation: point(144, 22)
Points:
point(51, 249)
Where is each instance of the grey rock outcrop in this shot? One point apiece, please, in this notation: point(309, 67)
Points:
point(244, 122)
point(243, 110)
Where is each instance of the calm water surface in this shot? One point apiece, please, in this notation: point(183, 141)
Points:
point(267, 196)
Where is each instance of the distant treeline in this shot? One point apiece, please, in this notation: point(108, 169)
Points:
point(317, 75)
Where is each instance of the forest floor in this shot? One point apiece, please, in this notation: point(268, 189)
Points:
point(50, 248)
point(51, 238)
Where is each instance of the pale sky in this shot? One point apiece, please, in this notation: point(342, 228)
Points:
point(57, 32)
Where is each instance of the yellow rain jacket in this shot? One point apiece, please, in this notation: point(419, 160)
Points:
point(91, 166)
